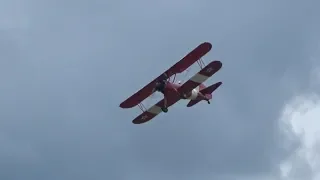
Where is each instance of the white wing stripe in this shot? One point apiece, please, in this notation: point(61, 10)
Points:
point(155, 109)
point(199, 78)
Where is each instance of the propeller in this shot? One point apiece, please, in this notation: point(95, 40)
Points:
point(165, 77)
point(157, 95)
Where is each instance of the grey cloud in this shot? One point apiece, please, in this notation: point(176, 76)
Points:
point(82, 58)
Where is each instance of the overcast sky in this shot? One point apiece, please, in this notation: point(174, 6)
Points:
point(66, 65)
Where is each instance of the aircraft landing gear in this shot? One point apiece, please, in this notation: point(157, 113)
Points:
point(164, 109)
point(208, 101)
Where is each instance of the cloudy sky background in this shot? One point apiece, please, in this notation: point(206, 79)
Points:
point(66, 65)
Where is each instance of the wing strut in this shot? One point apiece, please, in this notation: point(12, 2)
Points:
point(142, 107)
point(201, 63)
point(174, 78)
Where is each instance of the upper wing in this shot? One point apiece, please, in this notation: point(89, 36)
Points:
point(201, 76)
point(154, 110)
point(179, 67)
point(192, 57)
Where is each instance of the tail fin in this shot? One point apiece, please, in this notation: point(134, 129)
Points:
point(207, 92)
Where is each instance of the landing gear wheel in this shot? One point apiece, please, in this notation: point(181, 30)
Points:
point(164, 109)
point(208, 102)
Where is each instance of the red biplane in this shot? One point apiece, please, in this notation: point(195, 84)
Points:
point(193, 89)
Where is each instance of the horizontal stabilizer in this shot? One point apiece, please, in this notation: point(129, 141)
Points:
point(193, 102)
point(207, 92)
point(211, 88)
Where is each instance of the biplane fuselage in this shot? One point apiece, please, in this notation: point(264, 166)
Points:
point(171, 90)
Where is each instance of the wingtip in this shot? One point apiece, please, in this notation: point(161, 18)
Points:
point(136, 121)
point(122, 105)
point(208, 45)
point(218, 64)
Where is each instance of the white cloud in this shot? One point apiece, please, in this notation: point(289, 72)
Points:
point(302, 116)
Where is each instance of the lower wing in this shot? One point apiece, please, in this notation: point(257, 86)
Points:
point(154, 110)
